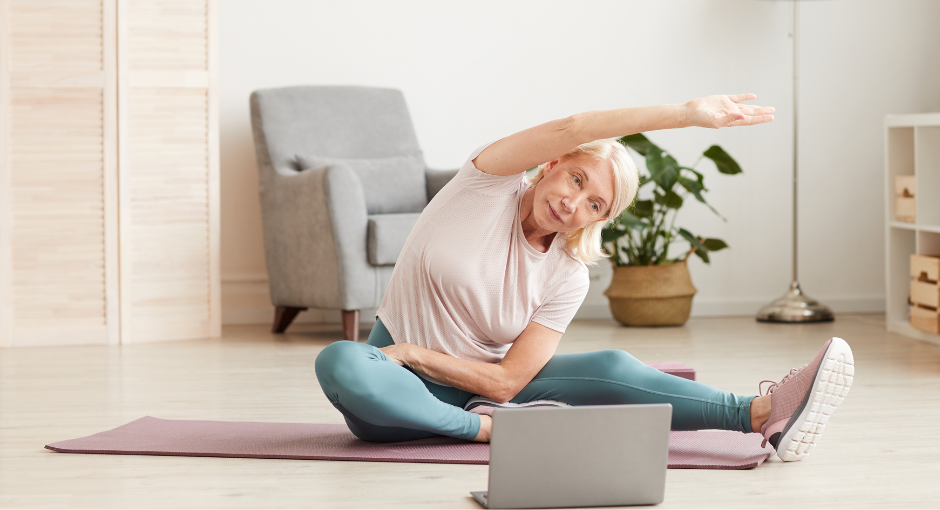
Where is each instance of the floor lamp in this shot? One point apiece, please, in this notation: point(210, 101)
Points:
point(794, 306)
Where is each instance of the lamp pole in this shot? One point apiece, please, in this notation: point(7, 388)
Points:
point(794, 306)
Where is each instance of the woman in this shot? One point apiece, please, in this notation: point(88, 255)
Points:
point(494, 271)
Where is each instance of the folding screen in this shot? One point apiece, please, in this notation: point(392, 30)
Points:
point(108, 171)
point(169, 193)
point(58, 180)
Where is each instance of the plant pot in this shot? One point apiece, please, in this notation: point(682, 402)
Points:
point(651, 295)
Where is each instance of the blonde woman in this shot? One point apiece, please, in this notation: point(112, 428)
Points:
point(496, 268)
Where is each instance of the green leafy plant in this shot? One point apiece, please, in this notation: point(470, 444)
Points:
point(643, 233)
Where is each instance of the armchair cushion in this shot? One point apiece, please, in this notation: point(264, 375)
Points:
point(391, 185)
point(387, 236)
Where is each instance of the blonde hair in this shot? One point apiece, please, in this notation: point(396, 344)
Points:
point(585, 243)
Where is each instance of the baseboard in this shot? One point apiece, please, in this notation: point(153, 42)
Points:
point(245, 300)
point(746, 308)
point(722, 308)
point(245, 316)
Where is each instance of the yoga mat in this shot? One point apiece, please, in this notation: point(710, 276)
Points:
point(673, 367)
point(703, 449)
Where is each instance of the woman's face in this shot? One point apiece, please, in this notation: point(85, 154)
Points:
point(573, 193)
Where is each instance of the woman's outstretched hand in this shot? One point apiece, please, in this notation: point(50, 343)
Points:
point(724, 111)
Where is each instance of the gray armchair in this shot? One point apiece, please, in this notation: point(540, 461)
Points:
point(342, 182)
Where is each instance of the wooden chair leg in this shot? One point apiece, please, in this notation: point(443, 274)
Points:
point(351, 325)
point(283, 316)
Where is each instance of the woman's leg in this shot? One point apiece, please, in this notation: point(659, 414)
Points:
point(383, 401)
point(615, 377)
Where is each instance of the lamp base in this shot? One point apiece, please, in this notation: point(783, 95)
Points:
point(795, 307)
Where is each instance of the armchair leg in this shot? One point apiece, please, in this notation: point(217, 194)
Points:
point(283, 316)
point(351, 325)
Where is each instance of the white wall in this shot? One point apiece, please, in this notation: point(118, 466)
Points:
point(472, 72)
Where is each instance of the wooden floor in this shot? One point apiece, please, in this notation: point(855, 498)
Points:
point(881, 448)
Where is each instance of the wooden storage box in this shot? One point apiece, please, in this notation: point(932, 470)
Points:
point(925, 293)
point(905, 195)
point(925, 319)
point(925, 267)
point(925, 288)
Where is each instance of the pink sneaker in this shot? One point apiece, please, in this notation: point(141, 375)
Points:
point(803, 400)
point(484, 405)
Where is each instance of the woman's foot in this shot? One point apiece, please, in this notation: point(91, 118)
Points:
point(486, 429)
point(803, 400)
point(484, 406)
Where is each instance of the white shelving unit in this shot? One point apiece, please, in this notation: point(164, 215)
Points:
point(912, 147)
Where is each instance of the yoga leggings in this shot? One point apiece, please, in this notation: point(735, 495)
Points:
point(383, 401)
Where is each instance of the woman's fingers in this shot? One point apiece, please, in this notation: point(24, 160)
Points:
point(723, 111)
point(389, 352)
point(752, 114)
point(760, 119)
point(756, 110)
point(742, 97)
point(753, 119)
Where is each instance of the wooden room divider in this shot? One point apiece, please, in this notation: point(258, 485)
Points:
point(109, 171)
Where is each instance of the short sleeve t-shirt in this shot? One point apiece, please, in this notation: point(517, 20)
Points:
point(467, 283)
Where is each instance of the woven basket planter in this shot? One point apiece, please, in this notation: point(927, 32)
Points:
point(651, 295)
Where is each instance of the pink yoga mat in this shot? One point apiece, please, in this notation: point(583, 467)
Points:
point(704, 449)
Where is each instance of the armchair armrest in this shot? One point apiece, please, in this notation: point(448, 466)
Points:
point(315, 229)
point(437, 179)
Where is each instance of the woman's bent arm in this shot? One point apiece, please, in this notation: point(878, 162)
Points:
point(546, 142)
point(499, 381)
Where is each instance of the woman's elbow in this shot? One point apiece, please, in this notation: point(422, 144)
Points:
point(505, 391)
point(571, 127)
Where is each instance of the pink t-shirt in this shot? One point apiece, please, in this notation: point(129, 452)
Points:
point(467, 283)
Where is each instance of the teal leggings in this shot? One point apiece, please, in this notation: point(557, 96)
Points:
point(383, 401)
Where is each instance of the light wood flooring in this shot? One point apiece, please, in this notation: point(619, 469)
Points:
point(881, 448)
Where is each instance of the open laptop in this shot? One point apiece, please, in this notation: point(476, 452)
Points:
point(552, 457)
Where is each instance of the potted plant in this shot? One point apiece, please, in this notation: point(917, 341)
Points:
point(649, 288)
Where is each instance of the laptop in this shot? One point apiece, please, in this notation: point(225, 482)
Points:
point(554, 457)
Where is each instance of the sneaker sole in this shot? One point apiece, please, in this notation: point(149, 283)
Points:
point(470, 406)
point(830, 386)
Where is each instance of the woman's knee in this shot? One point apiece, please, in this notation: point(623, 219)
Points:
point(612, 362)
point(337, 362)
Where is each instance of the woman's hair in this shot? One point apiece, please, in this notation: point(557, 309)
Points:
point(585, 242)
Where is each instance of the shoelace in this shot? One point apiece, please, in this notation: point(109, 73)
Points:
point(775, 385)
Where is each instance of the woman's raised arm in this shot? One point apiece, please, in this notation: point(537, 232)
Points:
point(534, 146)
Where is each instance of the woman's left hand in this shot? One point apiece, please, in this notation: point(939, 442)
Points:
point(398, 353)
point(723, 111)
